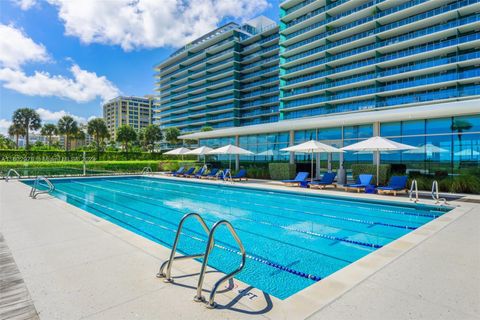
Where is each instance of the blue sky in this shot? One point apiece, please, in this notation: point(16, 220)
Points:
point(61, 56)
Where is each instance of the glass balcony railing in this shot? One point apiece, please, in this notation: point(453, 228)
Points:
point(249, 122)
point(253, 84)
point(198, 96)
point(434, 45)
point(259, 73)
point(172, 77)
point(314, 13)
point(259, 102)
point(168, 115)
point(394, 40)
point(260, 92)
point(261, 62)
point(385, 87)
point(260, 52)
point(193, 89)
point(260, 42)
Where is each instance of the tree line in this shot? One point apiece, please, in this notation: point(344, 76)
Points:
point(26, 120)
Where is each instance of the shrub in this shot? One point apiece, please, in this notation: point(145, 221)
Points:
point(282, 171)
point(257, 172)
point(461, 184)
point(61, 155)
point(385, 171)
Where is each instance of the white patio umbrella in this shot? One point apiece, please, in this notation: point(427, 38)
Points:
point(231, 150)
point(178, 152)
point(378, 144)
point(427, 148)
point(312, 147)
point(467, 153)
point(202, 151)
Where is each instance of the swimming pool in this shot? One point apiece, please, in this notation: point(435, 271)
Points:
point(292, 239)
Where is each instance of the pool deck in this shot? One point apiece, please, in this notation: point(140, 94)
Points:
point(78, 266)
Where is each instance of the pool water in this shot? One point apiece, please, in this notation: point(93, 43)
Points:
point(292, 240)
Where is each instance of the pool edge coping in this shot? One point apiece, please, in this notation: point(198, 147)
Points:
point(312, 298)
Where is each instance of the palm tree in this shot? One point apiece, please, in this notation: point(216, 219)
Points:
point(49, 130)
point(460, 126)
point(15, 130)
point(98, 130)
point(125, 135)
point(29, 119)
point(68, 127)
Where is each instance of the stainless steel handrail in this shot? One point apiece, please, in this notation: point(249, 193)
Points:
point(211, 301)
point(435, 193)
point(7, 177)
point(34, 192)
point(413, 189)
point(168, 275)
point(147, 170)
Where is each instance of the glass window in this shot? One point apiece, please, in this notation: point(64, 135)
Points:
point(329, 133)
point(415, 127)
point(390, 129)
point(442, 125)
point(365, 131)
point(466, 124)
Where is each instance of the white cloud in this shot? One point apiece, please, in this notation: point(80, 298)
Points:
point(25, 4)
point(84, 86)
point(54, 116)
point(17, 49)
point(4, 124)
point(150, 23)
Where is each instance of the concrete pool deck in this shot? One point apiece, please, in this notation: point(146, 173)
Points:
point(78, 266)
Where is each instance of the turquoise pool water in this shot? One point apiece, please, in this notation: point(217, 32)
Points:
point(292, 240)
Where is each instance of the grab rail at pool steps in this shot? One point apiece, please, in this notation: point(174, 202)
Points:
point(7, 177)
point(413, 189)
point(147, 170)
point(211, 301)
point(168, 275)
point(34, 192)
point(436, 195)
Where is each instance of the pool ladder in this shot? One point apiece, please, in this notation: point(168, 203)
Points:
point(210, 244)
point(7, 177)
point(147, 171)
point(413, 190)
point(436, 195)
point(34, 192)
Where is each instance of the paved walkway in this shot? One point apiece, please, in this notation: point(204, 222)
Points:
point(77, 266)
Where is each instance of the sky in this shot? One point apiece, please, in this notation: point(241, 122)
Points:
point(67, 57)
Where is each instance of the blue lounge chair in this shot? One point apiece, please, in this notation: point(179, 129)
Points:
point(242, 174)
point(301, 177)
point(200, 173)
point(363, 181)
point(194, 173)
point(179, 171)
point(187, 173)
point(396, 184)
point(326, 180)
point(210, 175)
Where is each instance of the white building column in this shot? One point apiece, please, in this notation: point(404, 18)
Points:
point(291, 141)
point(237, 157)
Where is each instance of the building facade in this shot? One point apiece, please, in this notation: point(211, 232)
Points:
point(227, 78)
point(352, 69)
point(136, 112)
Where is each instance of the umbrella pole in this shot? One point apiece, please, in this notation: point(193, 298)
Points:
point(311, 177)
point(378, 166)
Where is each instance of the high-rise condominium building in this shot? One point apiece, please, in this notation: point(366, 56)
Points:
point(133, 111)
point(227, 78)
point(352, 69)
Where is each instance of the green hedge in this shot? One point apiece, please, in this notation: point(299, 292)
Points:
point(55, 155)
point(93, 167)
point(385, 170)
point(282, 171)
